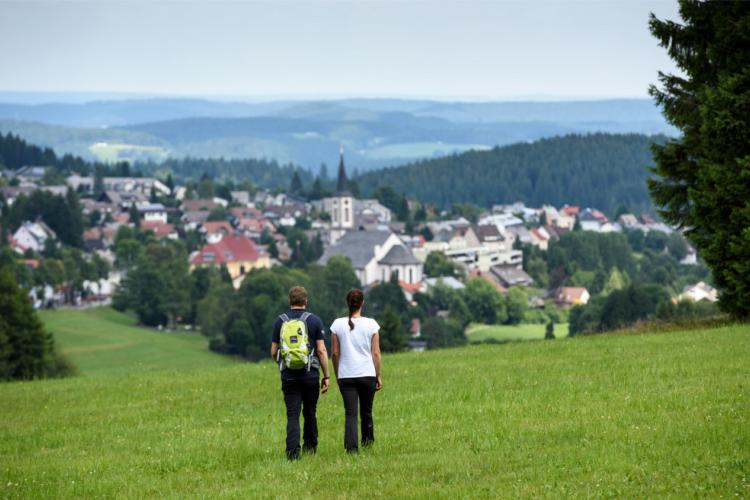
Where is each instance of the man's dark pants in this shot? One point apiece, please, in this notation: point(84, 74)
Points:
point(354, 390)
point(301, 395)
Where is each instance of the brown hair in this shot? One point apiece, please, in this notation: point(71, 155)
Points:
point(354, 300)
point(297, 296)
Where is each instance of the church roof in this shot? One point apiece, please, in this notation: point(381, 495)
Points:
point(342, 185)
point(399, 255)
point(357, 246)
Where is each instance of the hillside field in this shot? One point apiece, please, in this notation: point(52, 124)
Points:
point(478, 332)
point(635, 416)
point(103, 341)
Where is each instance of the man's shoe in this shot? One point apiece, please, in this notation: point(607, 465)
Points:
point(310, 450)
point(293, 455)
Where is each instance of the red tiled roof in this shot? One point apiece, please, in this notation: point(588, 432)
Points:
point(571, 211)
point(410, 287)
point(231, 248)
point(570, 293)
point(538, 234)
point(160, 229)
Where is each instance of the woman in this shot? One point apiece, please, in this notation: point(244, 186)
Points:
point(356, 363)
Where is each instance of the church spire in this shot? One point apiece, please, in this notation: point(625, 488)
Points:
point(342, 186)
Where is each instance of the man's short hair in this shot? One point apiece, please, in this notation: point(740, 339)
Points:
point(297, 296)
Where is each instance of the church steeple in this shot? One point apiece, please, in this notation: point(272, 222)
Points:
point(342, 186)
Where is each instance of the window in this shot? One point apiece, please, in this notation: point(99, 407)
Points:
point(411, 275)
point(242, 269)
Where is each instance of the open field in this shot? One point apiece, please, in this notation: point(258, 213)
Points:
point(103, 341)
point(637, 416)
point(527, 331)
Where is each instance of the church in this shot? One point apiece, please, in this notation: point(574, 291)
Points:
point(359, 231)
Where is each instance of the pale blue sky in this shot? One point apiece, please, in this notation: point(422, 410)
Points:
point(320, 48)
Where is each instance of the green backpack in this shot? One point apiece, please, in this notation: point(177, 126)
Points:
point(294, 349)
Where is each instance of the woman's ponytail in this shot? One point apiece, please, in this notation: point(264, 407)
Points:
point(354, 300)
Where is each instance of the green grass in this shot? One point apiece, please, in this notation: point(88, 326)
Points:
point(478, 332)
point(103, 341)
point(635, 416)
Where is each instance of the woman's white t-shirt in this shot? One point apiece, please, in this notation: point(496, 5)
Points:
point(355, 346)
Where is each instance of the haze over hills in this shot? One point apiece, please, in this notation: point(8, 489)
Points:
point(375, 132)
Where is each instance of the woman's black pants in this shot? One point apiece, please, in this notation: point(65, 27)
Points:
point(362, 390)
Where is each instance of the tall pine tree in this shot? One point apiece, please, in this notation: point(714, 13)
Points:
point(703, 177)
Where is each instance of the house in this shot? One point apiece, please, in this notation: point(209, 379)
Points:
point(409, 289)
point(152, 212)
point(572, 296)
point(198, 205)
point(216, 230)
point(142, 185)
point(33, 235)
point(566, 216)
point(691, 257)
point(629, 221)
point(30, 173)
point(194, 219)
point(237, 253)
point(241, 197)
point(699, 291)
point(512, 276)
point(504, 219)
point(539, 237)
point(488, 277)
point(376, 256)
point(123, 199)
point(161, 229)
point(448, 281)
point(370, 212)
point(592, 219)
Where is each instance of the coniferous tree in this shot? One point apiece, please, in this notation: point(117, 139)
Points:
point(703, 177)
point(392, 333)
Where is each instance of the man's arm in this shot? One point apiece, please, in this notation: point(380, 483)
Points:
point(275, 339)
point(375, 347)
point(323, 357)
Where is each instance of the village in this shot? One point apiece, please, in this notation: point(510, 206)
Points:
point(246, 232)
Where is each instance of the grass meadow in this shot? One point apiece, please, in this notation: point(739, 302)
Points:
point(629, 415)
point(103, 341)
point(478, 332)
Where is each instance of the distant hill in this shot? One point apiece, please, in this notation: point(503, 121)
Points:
point(375, 132)
point(598, 170)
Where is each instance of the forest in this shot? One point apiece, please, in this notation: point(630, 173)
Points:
point(574, 169)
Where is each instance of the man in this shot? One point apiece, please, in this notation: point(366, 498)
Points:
point(300, 386)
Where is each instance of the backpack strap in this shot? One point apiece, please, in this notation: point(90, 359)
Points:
point(284, 318)
point(312, 355)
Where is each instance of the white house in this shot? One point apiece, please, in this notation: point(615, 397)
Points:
point(699, 291)
point(376, 256)
point(152, 212)
point(33, 235)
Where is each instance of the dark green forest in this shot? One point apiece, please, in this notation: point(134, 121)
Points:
point(599, 170)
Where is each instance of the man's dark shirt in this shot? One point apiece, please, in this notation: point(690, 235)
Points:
point(315, 332)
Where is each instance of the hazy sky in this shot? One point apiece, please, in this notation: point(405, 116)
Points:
point(319, 48)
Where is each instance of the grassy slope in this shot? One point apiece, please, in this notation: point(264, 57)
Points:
point(627, 415)
point(103, 341)
point(525, 331)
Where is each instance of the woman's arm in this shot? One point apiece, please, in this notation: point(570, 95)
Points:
point(375, 348)
point(335, 354)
